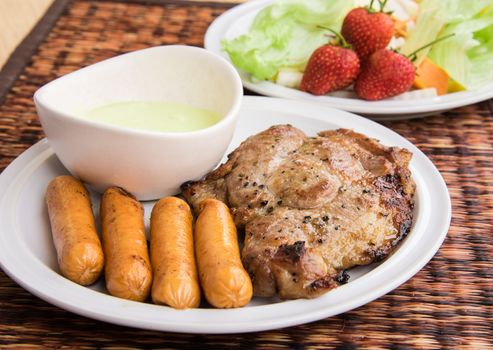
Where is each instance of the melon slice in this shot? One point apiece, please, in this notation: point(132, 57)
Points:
point(429, 75)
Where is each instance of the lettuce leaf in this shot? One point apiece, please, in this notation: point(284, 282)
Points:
point(481, 59)
point(285, 34)
point(467, 56)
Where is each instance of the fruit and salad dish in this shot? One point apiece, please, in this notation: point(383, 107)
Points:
point(369, 49)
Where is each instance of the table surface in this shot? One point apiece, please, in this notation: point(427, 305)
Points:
point(448, 304)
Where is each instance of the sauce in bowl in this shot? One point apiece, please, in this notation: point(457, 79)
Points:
point(154, 116)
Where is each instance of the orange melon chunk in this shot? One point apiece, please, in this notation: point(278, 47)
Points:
point(400, 28)
point(429, 75)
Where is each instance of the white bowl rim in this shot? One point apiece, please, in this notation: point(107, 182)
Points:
point(230, 115)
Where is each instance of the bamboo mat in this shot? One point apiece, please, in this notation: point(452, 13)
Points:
point(448, 304)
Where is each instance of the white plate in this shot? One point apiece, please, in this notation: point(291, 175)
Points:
point(27, 254)
point(236, 21)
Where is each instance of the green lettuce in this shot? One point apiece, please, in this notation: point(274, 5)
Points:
point(285, 34)
point(467, 56)
point(481, 59)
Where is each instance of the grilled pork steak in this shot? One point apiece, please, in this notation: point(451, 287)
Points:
point(311, 207)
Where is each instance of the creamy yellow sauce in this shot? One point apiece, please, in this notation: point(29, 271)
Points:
point(154, 116)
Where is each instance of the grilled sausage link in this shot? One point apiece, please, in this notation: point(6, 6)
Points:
point(224, 280)
point(128, 270)
point(175, 281)
point(79, 252)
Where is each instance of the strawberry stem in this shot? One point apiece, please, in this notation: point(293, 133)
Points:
point(413, 55)
point(339, 37)
point(370, 7)
point(382, 4)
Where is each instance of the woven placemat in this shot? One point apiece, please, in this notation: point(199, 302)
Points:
point(448, 304)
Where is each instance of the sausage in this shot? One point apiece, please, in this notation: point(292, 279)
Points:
point(175, 280)
point(128, 271)
point(224, 280)
point(79, 252)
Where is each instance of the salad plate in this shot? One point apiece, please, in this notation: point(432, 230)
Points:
point(237, 21)
point(27, 254)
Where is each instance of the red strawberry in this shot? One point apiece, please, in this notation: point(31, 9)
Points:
point(385, 74)
point(367, 31)
point(330, 68)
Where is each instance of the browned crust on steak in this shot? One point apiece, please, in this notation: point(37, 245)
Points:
point(312, 207)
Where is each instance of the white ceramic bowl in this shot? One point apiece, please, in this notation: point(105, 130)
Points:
point(148, 164)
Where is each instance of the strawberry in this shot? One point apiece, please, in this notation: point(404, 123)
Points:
point(385, 74)
point(368, 31)
point(330, 68)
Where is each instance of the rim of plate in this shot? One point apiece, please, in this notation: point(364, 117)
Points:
point(428, 233)
point(220, 26)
